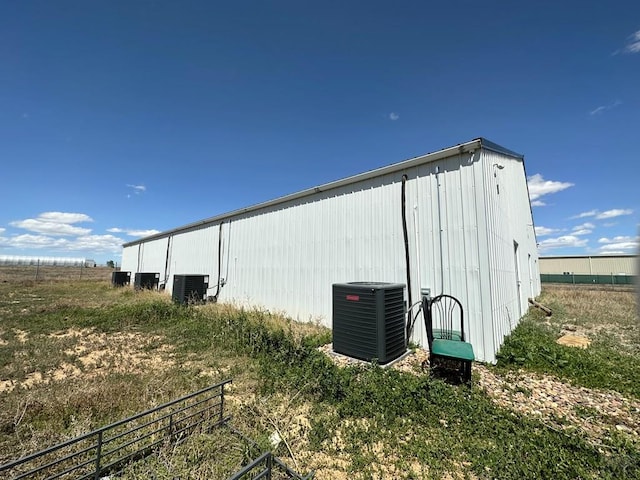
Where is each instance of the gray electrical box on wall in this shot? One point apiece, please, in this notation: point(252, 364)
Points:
point(369, 320)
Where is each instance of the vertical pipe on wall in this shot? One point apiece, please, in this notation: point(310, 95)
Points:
point(406, 252)
point(215, 297)
point(417, 240)
point(166, 261)
point(439, 203)
point(226, 275)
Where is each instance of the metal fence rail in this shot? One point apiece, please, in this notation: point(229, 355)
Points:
point(270, 467)
point(109, 449)
point(580, 279)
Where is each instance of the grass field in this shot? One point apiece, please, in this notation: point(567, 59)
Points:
point(76, 355)
point(17, 274)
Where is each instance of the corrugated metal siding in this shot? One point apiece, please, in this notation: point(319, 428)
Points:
point(286, 257)
point(590, 265)
point(448, 238)
point(195, 252)
point(130, 259)
point(152, 257)
point(509, 222)
point(348, 234)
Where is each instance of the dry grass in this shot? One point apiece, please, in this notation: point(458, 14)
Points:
point(80, 355)
point(32, 273)
point(603, 314)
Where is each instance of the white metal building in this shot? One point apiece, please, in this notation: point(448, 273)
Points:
point(469, 226)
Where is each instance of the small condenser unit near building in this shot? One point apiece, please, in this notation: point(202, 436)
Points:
point(369, 320)
point(146, 280)
point(190, 288)
point(120, 279)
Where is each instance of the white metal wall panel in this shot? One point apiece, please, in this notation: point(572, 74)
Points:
point(129, 259)
point(285, 257)
point(450, 244)
point(195, 252)
point(348, 234)
point(152, 258)
point(509, 222)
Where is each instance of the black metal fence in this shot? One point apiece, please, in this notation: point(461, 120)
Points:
point(109, 449)
point(270, 467)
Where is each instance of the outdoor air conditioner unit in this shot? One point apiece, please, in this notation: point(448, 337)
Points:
point(190, 288)
point(146, 280)
point(369, 320)
point(120, 279)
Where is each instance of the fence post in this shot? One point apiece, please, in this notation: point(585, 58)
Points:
point(269, 465)
point(98, 455)
point(37, 268)
point(170, 427)
point(221, 403)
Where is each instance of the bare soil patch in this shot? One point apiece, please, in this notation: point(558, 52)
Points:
point(97, 353)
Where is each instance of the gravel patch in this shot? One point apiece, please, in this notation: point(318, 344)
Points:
point(559, 405)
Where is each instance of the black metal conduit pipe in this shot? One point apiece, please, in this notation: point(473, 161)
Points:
point(215, 297)
point(166, 263)
point(406, 252)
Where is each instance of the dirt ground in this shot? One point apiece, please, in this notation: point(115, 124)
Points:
point(98, 354)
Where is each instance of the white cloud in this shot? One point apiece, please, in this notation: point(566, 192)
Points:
point(598, 215)
point(49, 228)
point(590, 213)
point(618, 239)
point(561, 242)
point(133, 233)
point(56, 231)
point(92, 243)
point(96, 243)
point(137, 188)
point(65, 217)
point(34, 241)
point(538, 187)
point(616, 212)
point(538, 203)
point(603, 108)
point(619, 244)
point(393, 116)
point(588, 225)
point(634, 43)
point(55, 223)
point(584, 229)
point(543, 231)
point(2, 229)
point(142, 233)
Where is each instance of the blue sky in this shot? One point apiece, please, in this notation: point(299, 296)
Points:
point(123, 118)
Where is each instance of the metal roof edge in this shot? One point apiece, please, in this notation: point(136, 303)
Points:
point(494, 147)
point(469, 146)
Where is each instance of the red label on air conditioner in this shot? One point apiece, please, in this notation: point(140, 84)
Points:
point(353, 298)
